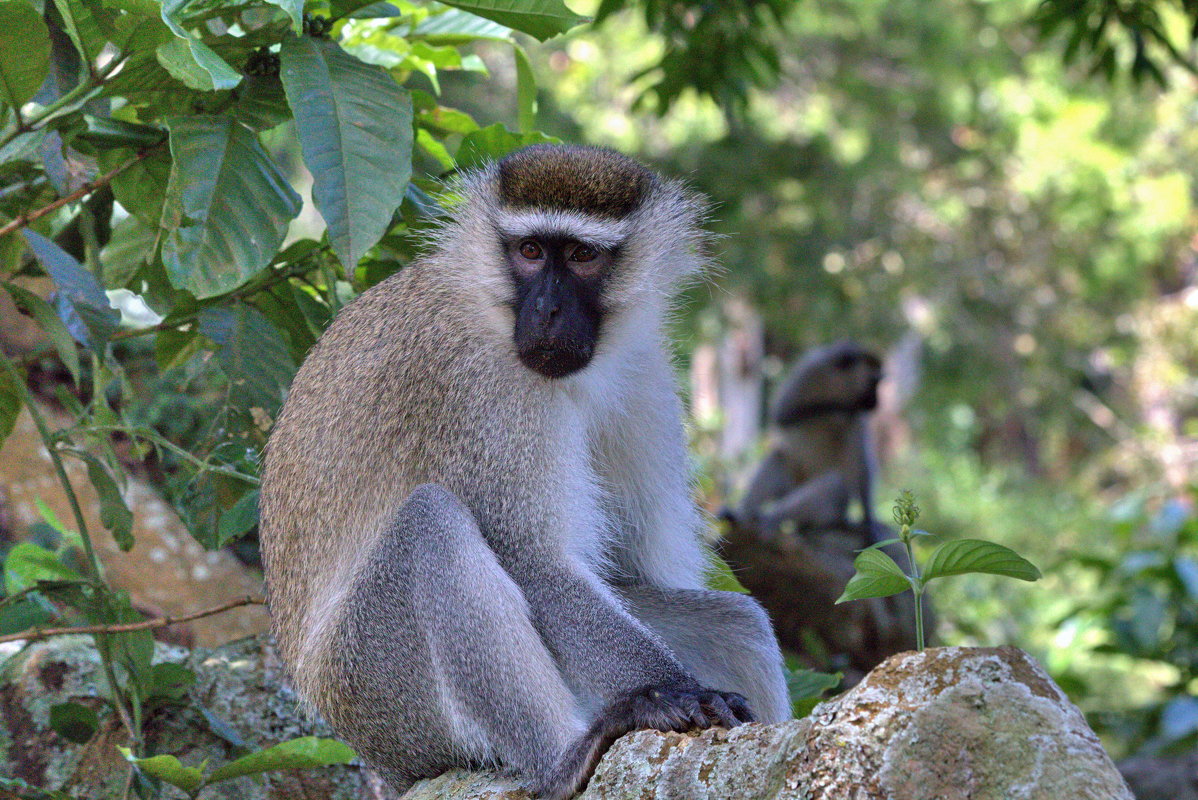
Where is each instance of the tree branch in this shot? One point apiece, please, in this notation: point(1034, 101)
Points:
point(25, 219)
point(35, 634)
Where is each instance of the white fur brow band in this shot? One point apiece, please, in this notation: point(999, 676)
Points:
point(601, 233)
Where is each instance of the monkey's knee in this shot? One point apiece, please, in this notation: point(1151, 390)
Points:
point(751, 657)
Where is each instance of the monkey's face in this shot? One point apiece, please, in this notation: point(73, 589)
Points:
point(862, 371)
point(557, 301)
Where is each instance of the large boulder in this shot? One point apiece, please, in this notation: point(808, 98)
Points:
point(949, 723)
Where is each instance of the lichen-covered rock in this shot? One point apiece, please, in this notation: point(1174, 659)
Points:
point(239, 685)
point(955, 723)
point(949, 723)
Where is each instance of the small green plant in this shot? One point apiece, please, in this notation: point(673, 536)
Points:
point(879, 575)
point(306, 752)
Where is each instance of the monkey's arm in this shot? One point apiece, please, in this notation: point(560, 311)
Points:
point(820, 502)
point(770, 481)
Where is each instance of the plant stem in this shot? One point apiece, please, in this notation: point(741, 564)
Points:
point(916, 585)
point(93, 560)
point(29, 217)
point(166, 444)
point(36, 634)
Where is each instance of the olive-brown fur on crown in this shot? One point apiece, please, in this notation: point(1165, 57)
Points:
point(586, 179)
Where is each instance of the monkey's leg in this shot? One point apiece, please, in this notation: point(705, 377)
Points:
point(820, 502)
point(436, 664)
point(723, 638)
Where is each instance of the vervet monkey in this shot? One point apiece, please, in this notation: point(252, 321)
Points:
point(821, 457)
point(480, 544)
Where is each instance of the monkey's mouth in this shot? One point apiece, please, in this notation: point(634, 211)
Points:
point(869, 400)
point(556, 359)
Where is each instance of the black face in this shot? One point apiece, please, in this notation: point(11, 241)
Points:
point(558, 310)
point(859, 359)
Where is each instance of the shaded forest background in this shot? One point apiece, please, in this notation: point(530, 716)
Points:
point(1000, 195)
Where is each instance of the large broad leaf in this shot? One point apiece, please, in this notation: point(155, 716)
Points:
point(877, 576)
point(964, 556)
point(541, 19)
point(81, 302)
point(49, 322)
point(308, 751)
point(494, 142)
point(252, 354)
point(88, 24)
point(219, 72)
point(24, 52)
point(720, 576)
point(456, 27)
point(74, 722)
point(227, 206)
point(355, 129)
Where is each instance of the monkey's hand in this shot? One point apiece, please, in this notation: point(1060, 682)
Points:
point(678, 706)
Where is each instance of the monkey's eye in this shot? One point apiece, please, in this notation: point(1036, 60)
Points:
point(584, 253)
point(531, 250)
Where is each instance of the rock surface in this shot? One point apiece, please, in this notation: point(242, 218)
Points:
point(240, 685)
point(950, 723)
point(166, 573)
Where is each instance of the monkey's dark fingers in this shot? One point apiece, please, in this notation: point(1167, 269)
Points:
point(739, 706)
point(718, 711)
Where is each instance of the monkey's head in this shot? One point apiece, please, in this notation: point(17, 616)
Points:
point(840, 377)
point(576, 243)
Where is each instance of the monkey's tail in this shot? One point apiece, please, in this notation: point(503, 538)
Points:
point(578, 762)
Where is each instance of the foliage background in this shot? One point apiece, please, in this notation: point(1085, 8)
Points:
point(1011, 182)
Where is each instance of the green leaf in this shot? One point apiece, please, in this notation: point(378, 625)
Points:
point(114, 514)
point(167, 768)
point(24, 791)
point(238, 520)
point(26, 564)
point(140, 188)
point(261, 103)
point(309, 751)
point(10, 403)
point(81, 302)
point(219, 72)
point(455, 27)
point(541, 19)
point(494, 142)
point(806, 687)
point(963, 556)
point(295, 11)
point(355, 131)
point(86, 24)
point(252, 355)
point(877, 576)
point(74, 722)
point(170, 681)
point(112, 132)
point(177, 58)
point(60, 337)
point(227, 206)
point(24, 52)
point(132, 245)
point(526, 92)
point(720, 576)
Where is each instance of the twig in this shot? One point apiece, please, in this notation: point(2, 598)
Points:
point(25, 219)
point(35, 634)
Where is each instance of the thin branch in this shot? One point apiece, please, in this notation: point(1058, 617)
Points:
point(25, 219)
point(36, 634)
